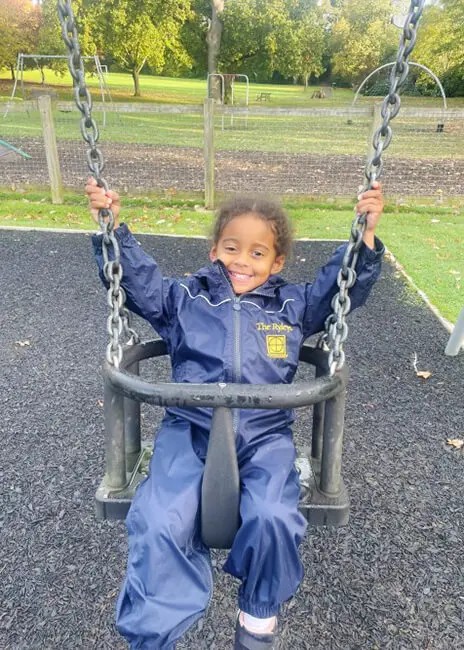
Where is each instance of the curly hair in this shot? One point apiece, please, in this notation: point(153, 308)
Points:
point(269, 211)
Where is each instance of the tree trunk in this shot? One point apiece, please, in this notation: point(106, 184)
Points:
point(42, 76)
point(228, 81)
point(136, 80)
point(12, 70)
point(213, 39)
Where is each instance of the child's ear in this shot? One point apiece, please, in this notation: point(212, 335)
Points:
point(212, 254)
point(278, 265)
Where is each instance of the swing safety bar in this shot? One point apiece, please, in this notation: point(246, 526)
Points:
point(324, 498)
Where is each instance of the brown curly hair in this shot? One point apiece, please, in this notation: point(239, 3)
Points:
point(269, 211)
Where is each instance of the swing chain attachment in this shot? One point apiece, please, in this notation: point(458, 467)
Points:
point(119, 317)
point(336, 328)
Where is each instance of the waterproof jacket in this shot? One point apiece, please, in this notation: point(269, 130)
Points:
point(213, 336)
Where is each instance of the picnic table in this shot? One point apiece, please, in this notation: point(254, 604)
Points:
point(263, 97)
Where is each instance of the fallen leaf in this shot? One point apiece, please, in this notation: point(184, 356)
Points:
point(22, 344)
point(455, 442)
point(424, 374)
point(99, 402)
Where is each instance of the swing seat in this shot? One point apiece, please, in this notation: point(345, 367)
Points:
point(324, 499)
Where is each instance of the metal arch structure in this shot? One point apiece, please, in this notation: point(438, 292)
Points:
point(416, 65)
point(220, 76)
point(247, 81)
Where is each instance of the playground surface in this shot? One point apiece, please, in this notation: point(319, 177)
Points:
point(392, 579)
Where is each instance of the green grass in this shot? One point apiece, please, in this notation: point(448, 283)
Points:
point(428, 240)
point(192, 91)
point(413, 137)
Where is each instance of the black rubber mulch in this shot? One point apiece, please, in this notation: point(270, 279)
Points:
point(392, 579)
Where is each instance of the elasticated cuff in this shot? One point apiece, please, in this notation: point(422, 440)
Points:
point(258, 610)
point(373, 254)
point(122, 234)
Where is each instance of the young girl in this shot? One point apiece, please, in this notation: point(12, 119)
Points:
point(219, 326)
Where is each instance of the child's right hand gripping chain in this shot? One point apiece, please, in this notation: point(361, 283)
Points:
point(371, 203)
point(99, 199)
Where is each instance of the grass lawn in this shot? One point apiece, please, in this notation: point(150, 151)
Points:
point(413, 137)
point(192, 91)
point(427, 240)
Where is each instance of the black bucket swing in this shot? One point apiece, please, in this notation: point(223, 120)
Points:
point(324, 498)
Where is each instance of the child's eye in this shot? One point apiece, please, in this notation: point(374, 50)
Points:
point(258, 253)
point(230, 249)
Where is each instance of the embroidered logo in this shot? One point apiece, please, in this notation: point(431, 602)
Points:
point(276, 346)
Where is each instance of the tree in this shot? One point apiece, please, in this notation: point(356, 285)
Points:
point(311, 42)
point(262, 37)
point(440, 46)
point(213, 37)
point(19, 25)
point(362, 38)
point(258, 38)
point(49, 39)
point(136, 32)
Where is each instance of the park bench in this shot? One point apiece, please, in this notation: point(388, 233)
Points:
point(263, 97)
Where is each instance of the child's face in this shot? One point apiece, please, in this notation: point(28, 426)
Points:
point(247, 249)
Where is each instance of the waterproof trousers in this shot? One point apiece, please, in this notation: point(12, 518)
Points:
point(168, 583)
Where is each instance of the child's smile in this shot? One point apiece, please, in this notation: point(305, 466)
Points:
point(247, 248)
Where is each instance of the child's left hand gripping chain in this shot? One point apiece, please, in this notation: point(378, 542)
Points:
point(371, 204)
point(99, 199)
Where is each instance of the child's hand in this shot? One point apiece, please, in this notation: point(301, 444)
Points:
point(99, 199)
point(371, 204)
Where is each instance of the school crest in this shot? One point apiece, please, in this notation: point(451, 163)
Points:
point(276, 346)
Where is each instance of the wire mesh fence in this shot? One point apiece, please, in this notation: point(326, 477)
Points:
point(291, 152)
point(311, 152)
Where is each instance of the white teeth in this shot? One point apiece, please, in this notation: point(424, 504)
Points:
point(240, 276)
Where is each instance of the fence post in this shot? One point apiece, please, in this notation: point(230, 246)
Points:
point(208, 113)
point(377, 120)
point(51, 150)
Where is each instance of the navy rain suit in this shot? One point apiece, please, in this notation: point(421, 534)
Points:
point(214, 336)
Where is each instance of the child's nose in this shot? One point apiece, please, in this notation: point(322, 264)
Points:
point(242, 259)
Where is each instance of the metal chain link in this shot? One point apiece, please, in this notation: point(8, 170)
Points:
point(336, 328)
point(119, 317)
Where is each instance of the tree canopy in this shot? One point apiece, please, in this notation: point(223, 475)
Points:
point(293, 40)
point(139, 32)
point(19, 30)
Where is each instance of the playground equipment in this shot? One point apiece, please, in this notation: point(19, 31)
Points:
point(324, 498)
point(227, 82)
point(440, 125)
point(19, 77)
point(7, 148)
point(456, 340)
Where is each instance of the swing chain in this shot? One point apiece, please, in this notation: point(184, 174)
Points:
point(119, 318)
point(336, 328)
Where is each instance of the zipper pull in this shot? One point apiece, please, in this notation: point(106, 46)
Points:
point(236, 304)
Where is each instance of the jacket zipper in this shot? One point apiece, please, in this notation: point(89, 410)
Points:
point(236, 361)
point(236, 366)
